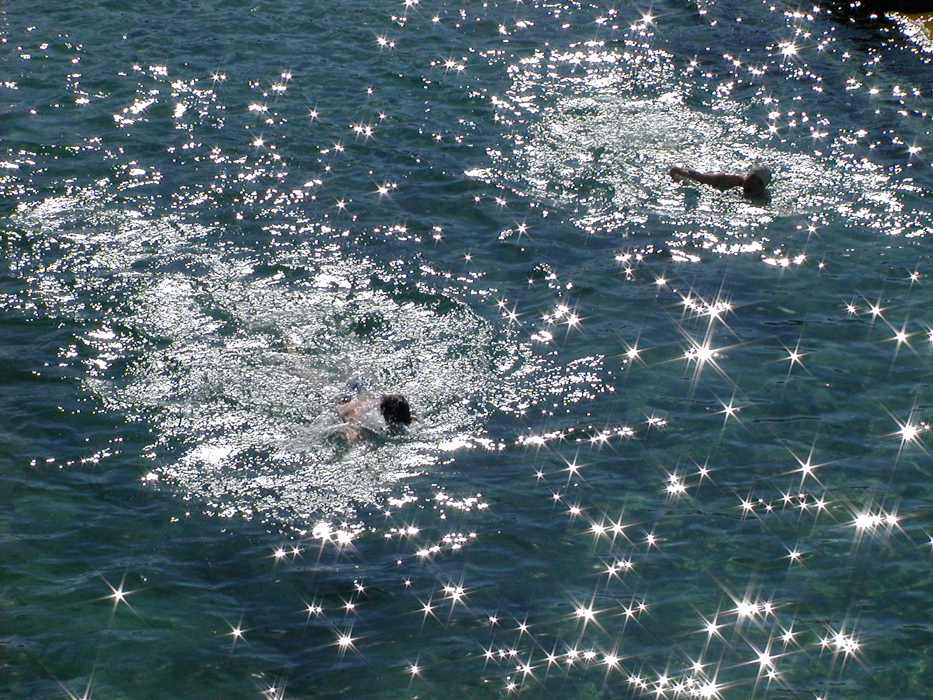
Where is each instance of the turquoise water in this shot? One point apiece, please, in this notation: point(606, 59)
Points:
point(672, 443)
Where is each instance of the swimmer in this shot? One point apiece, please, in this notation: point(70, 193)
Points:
point(753, 184)
point(373, 413)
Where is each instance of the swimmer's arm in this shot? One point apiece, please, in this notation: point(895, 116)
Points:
point(721, 181)
point(359, 411)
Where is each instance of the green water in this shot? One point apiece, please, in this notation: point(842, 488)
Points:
point(671, 442)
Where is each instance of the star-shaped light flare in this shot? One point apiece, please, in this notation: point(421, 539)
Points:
point(587, 613)
point(875, 311)
point(909, 432)
point(765, 660)
point(730, 410)
point(573, 469)
point(712, 626)
point(118, 595)
point(794, 357)
point(840, 642)
point(632, 354)
point(701, 353)
point(86, 695)
point(675, 486)
point(807, 467)
point(236, 632)
point(345, 641)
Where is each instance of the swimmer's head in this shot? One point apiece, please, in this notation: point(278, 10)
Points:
point(756, 181)
point(395, 409)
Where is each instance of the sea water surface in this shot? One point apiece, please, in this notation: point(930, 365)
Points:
point(672, 443)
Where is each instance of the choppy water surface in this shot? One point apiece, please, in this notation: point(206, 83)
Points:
point(671, 443)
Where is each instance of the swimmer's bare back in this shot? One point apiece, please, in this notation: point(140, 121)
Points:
point(353, 411)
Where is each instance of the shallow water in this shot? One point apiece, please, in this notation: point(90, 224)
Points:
point(671, 443)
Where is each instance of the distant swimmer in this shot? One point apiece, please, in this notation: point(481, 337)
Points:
point(753, 184)
point(374, 413)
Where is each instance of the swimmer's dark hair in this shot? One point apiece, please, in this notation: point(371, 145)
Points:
point(395, 409)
